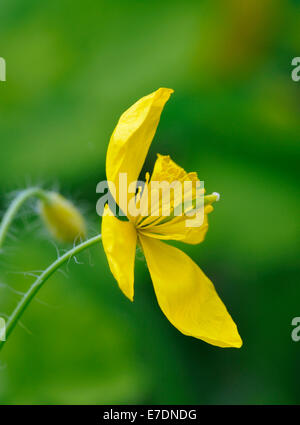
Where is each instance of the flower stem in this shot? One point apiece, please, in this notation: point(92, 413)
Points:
point(36, 286)
point(14, 208)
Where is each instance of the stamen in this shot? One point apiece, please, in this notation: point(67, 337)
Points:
point(217, 195)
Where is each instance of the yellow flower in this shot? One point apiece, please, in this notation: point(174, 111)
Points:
point(186, 296)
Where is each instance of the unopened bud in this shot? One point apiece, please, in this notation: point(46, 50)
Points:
point(62, 218)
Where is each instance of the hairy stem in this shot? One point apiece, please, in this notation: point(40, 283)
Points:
point(14, 208)
point(36, 286)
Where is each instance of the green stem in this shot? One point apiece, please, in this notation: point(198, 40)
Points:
point(14, 208)
point(36, 286)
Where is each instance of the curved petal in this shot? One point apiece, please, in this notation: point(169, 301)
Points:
point(132, 137)
point(187, 297)
point(119, 242)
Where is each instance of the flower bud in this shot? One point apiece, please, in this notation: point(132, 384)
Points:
point(63, 220)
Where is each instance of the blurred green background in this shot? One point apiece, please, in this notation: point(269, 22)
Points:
point(72, 69)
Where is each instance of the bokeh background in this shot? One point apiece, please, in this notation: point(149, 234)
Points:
point(72, 69)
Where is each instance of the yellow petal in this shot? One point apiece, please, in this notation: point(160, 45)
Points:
point(187, 297)
point(119, 242)
point(165, 169)
point(132, 137)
